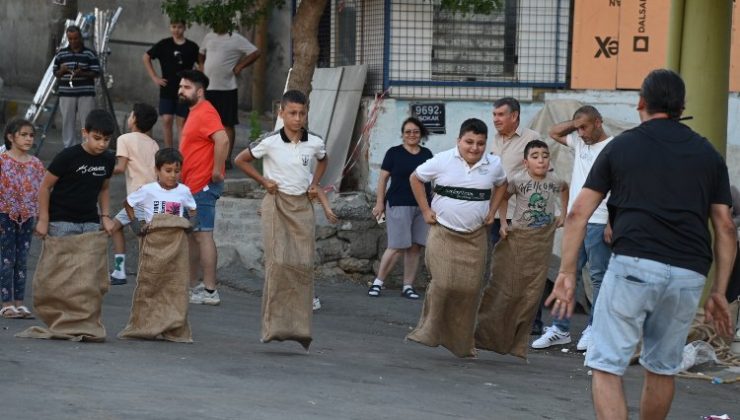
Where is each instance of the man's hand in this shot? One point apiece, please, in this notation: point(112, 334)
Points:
point(159, 81)
point(562, 296)
point(236, 70)
point(430, 217)
point(42, 228)
point(270, 186)
point(608, 233)
point(216, 176)
point(717, 311)
point(313, 192)
point(107, 224)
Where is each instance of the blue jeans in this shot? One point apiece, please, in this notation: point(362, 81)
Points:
point(15, 240)
point(597, 253)
point(645, 299)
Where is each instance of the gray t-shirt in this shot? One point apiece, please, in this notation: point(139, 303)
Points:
point(535, 199)
point(222, 53)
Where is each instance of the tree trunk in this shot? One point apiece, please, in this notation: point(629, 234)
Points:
point(305, 44)
point(259, 73)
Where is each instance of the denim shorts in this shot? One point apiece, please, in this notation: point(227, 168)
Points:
point(205, 200)
point(71, 228)
point(123, 219)
point(641, 298)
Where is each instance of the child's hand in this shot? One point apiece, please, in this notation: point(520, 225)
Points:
point(107, 224)
point(561, 221)
point(331, 216)
point(430, 217)
point(504, 230)
point(490, 217)
point(313, 192)
point(271, 186)
point(42, 229)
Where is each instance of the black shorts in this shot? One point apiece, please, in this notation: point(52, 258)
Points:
point(169, 106)
point(225, 102)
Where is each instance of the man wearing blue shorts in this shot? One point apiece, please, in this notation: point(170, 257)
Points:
point(661, 246)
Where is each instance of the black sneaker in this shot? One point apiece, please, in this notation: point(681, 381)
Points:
point(116, 281)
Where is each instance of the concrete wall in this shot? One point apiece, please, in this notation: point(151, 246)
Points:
point(28, 44)
point(618, 105)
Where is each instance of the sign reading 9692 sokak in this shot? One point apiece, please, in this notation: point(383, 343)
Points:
point(432, 115)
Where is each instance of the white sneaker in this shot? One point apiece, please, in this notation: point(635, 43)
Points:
point(316, 304)
point(585, 339)
point(203, 297)
point(552, 337)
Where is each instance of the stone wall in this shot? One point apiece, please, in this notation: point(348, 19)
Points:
point(347, 251)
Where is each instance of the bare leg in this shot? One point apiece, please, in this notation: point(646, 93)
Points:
point(180, 121)
point(208, 257)
point(388, 261)
point(119, 242)
point(657, 395)
point(167, 120)
point(194, 259)
point(608, 396)
point(230, 133)
point(411, 264)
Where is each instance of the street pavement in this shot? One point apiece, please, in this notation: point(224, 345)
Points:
point(358, 367)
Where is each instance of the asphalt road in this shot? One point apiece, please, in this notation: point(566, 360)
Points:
point(359, 367)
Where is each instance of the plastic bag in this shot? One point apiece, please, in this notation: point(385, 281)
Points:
point(696, 353)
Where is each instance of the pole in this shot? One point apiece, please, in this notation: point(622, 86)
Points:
point(675, 33)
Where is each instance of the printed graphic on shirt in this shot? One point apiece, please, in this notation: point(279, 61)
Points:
point(540, 193)
point(92, 170)
point(167, 207)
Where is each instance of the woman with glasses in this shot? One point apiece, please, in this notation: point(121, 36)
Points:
point(406, 228)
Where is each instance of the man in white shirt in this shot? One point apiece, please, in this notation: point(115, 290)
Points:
point(469, 185)
point(222, 57)
point(585, 134)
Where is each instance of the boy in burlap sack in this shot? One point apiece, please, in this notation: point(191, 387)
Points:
point(520, 261)
point(468, 186)
point(71, 276)
point(288, 221)
point(160, 302)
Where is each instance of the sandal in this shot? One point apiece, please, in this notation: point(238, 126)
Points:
point(23, 312)
point(374, 290)
point(410, 293)
point(9, 312)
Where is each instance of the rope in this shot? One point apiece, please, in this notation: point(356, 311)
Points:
point(725, 357)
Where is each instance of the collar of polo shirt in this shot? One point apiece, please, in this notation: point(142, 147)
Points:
point(286, 139)
point(482, 161)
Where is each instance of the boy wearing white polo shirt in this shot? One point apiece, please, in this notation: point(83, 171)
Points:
point(288, 220)
point(469, 186)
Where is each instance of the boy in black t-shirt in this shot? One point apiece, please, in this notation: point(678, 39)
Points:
point(175, 54)
point(76, 183)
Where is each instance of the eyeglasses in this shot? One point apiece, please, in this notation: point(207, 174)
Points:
point(412, 132)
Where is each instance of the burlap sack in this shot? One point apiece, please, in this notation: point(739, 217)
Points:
point(70, 281)
point(456, 262)
point(288, 232)
point(509, 304)
point(160, 302)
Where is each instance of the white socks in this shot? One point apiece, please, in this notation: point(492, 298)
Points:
point(378, 282)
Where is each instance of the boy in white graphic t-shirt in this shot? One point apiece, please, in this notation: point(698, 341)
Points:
point(166, 196)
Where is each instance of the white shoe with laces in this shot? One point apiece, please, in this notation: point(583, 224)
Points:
point(552, 337)
point(316, 304)
point(585, 339)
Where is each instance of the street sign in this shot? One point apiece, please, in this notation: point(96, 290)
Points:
point(432, 115)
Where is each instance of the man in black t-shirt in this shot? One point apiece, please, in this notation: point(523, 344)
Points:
point(665, 182)
point(175, 54)
point(76, 183)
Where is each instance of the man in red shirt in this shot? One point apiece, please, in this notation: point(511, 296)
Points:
point(204, 145)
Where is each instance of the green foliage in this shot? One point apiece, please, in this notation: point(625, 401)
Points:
point(483, 7)
point(255, 126)
point(220, 15)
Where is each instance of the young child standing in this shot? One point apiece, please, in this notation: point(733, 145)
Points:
point(520, 259)
point(20, 179)
point(165, 196)
point(288, 221)
point(135, 157)
point(77, 181)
